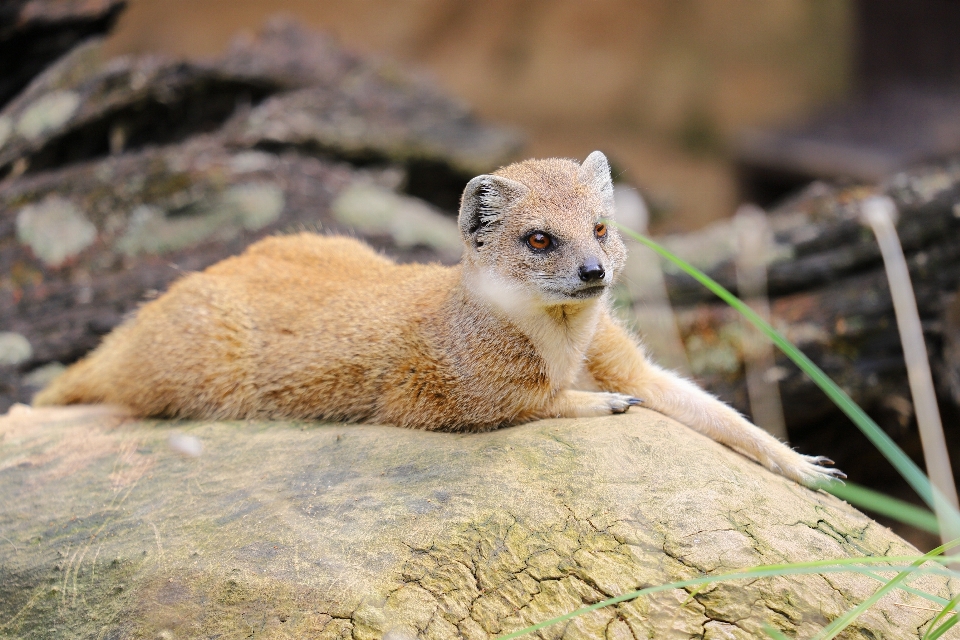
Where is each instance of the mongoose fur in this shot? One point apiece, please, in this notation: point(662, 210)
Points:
point(313, 327)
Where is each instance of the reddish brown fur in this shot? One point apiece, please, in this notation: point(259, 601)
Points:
point(309, 327)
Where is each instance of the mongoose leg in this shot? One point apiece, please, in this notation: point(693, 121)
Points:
point(586, 404)
point(618, 364)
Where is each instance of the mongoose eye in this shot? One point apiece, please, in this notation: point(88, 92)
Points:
point(600, 230)
point(539, 241)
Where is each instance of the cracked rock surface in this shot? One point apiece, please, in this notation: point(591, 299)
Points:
point(118, 528)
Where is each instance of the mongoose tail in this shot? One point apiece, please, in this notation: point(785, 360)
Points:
point(95, 378)
point(76, 385)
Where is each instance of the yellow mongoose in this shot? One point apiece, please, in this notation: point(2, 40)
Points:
point(306, 326)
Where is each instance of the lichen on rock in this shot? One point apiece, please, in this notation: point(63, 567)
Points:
point(251, 206)
point(14, 348)
point(373, 209)
point(49, 112)
point(55, 229)
point(6, 128)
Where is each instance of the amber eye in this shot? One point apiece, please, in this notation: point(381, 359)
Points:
point(600, 230)
point(539, 241)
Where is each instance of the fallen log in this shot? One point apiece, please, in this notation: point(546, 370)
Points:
point(130, 172)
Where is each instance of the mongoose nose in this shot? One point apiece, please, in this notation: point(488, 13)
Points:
point(591, 270)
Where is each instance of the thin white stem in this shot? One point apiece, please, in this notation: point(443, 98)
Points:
point(754, 240)
point(879, 213)
point(643, 277)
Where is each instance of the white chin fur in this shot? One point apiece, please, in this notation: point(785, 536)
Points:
point(518, 299)
point(509, 296)
point(561, 345)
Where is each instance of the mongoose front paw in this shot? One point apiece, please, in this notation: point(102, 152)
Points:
point(619, 403)
point(809, 471)
point(585, 404)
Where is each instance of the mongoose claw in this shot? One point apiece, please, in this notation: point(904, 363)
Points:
point(620, 403)
point(819, 461)
point(833, 473)
point(811, 472)
point(634, 401)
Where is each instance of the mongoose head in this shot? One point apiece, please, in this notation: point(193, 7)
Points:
point(541, 229)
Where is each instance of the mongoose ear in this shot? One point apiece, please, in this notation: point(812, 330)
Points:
point(485, 201)
point(595, 172)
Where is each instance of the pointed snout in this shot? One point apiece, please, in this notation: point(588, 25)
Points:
point(591, 270)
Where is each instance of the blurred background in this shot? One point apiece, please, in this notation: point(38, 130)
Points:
point(663, 87)
point(684, 95)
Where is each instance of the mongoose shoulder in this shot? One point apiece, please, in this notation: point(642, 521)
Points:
point(307, 326)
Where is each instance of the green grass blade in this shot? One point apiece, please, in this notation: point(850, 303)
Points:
point(833, 629)
point(933, 631)
point(899, 510)
point(904, 465)
point(774, 633)
point(834, 565)
point(935, 599)
point(942, 629)
point(946, 626)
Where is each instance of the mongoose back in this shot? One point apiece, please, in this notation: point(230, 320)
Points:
point(312, 327)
